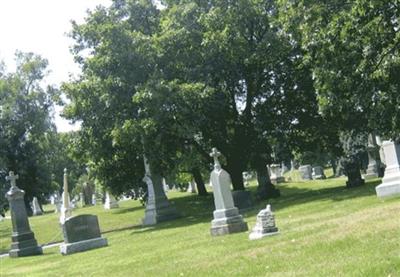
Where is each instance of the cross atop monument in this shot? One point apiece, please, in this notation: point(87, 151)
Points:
point(215, 154)
point(12, 178)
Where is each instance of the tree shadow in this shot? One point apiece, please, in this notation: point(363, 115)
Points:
point(196, 210)
point(127, 210)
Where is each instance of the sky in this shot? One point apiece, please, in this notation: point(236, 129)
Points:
point(41, 26)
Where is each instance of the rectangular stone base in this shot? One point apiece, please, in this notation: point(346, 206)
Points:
point(254, 236)
point(80, 246)
point(388, 189)
point(24, 252)
point(229, 228)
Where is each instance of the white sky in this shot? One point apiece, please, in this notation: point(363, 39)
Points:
point(40, 26)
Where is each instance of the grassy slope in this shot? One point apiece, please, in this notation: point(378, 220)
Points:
point(325, 230)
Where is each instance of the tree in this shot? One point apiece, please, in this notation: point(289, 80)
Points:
point(26, 130)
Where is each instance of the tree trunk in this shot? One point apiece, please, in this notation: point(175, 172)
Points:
point(201, 188)
point(265, 189)
point(235, 170)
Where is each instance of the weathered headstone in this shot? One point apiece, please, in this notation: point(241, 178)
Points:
point(265, 224)
point(36, 207)
point(226, 216)
point(306, 172)
point(275, 174)
point(318, 173)
point(391, 181)
point(81, 199)
point(158, 208)
point(373, 158)
point(110, 202)
point(66, 210)
point(81, 233)
point(23, 239)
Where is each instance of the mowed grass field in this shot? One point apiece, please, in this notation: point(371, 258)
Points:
point(325, 230)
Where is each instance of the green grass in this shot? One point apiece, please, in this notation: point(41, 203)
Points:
point(325, 230)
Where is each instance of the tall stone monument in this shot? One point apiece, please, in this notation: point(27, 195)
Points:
point(23, 239)
point(66, 210)
point(227, 219)
point(36, 207)
point(158, 208)
point(110, 202)
point(391, 182)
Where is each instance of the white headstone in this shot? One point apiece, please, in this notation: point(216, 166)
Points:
point(94, 199)
point(265, 224)
point(226, 216)
point(275, 174)
point(191, 187)
point(110, 202)
point(391, 181)
point(165, 185)
point(66, 210)
point(36, 207)
point(306, 172)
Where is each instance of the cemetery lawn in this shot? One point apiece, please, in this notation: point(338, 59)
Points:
point(325, 230)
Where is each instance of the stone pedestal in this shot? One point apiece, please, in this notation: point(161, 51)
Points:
point(391, 182)
point(158, 208)
point(265, 224)
point(110, 202)
point(227, 219)
point(306, 172)
point(23, 239)
point(36, 207)
point(318, 173)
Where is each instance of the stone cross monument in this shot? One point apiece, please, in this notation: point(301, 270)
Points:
point(158, 208)
point(65, 208)
point(23, 239)
point(226, 216)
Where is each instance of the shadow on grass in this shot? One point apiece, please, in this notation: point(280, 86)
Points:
point(127, 210)
point(196, 210)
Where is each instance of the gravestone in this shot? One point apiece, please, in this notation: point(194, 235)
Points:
point(165, 185)
point(57, 202)
point(247, 177)
point(318, 173)
point(265, 224)
point(191, 187)
point(23, 239)
point(227, 219)
point(275, 174)
point(158, 208)
point(284, 168)
point(66, 209)
point(81, 233)
point(110, 202)
point(373, 158)
point(305, 172)
point(391, 181)
point(81, 200)
point(36, 207)
point(94, 199)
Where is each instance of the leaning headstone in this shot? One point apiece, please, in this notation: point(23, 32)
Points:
point(110, 202)
point(318, 173)
point(158, 208)
point(36, 207)
point(66, 210)
point(391, 181)
point(227, 219)
point(265, 224)
point(81, 233)
point(23, 239)
point(306, 172)
point(275, 174)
